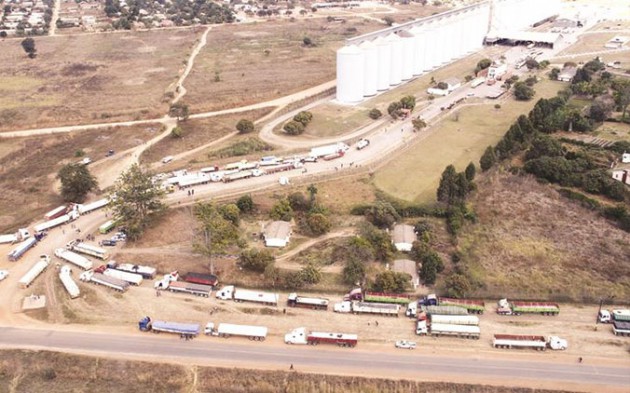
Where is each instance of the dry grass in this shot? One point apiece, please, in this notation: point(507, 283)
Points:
point(332, 119)
point(614, 131)
point(532, 243)
point(589, 43)
point(198, 132)
point(459, 139)
point(28, 167)
point(38, 371)
point(90, 78)
point(249, 75)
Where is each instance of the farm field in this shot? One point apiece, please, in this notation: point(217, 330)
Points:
point(461, 137)
point(198, 132)
point(28, 167)
point(266, 60)
point(94, 78)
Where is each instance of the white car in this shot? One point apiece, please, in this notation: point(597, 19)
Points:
point(404, 344)
point(4, 274)
point(167, 159)
point(362, 143)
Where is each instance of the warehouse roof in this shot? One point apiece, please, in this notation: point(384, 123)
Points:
point(533, 36)
point(277, 230)
point(403, 234)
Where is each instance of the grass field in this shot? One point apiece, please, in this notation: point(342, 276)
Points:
point(198, 132)
point(332, 119)
point(39, 371)
point(614, 131)
point(459, 139)
point(90, 78)
point(589, 43)
point(266, 60)
point(28, 168)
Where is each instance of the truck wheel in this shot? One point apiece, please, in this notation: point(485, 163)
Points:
point(251, 338)
point(261, 339)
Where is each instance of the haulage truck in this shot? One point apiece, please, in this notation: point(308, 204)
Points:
point(302, 336)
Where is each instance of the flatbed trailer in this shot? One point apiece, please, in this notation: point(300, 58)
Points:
point(313, 303)
point(189, 288)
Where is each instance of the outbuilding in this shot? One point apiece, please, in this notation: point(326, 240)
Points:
point(403, 237)
point(622, 176)
point(567, 74)
point(277, 234)
point(409, 267)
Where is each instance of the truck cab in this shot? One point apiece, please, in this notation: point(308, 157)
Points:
point(296, 336)
point(226, 293)
point(603, 316)
point(556, 343)
point(209, 330)
point(144, 324)
point(429, 300)
point(355, 294)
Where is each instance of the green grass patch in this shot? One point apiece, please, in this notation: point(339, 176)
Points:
point(331, 119)
point(614, 131)
point(241, 148)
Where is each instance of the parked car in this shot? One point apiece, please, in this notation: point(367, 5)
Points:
point(404, 344)
point(110, 153)
point(109, 243)
point(167, 159)
point(4, 274)
point(362, 143)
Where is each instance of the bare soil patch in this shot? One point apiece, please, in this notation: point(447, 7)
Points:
point(29, 167)
point(90, 78)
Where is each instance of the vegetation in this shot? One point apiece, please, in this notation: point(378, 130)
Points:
point(375, 114)
point(389, 281)
point(245, 126)
point(282, 211)
point(76, 182)
point(256, 260)
point(180, 111)
point(299, 123)
point(523, 92)
point(482, 65)
point(406, 104)
point(219, 226)
point(28, 44)
point(241, 148)
point(136, 201)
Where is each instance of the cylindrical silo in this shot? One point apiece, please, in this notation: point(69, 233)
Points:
point(430, 59)
point(456, 39)
point(370, 68)
point(418, 53)
point(395, 71)
point(408, 49)
point(350, 74)
point(384, 52)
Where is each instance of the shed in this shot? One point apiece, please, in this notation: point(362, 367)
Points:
point(453, 83)
point(277, 234)
point(403, 237)
point(567, 74)
point(622, 176)
point(409, 267)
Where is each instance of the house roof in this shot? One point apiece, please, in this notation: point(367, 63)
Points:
point(406, 266)
point(403, 233)
point(568, 72)
point(277, 230)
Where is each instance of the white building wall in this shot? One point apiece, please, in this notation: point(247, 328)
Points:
point(408, 53)
point(431, 53)
point(350, 74)
point(384, 52)
point(396, 59)
point(419, 48)
point(370, 68)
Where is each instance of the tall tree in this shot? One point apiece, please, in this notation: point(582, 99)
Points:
point(471, 171)
point(136, 200)
point(76, 182)
point(245, 126)
point(447, 187)
point(488, 159)
point(28, 44)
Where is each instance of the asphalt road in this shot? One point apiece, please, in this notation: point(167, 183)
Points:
point(217, 352)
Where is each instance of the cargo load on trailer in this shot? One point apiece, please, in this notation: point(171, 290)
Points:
point(314, 303)
point(437, 330)
point(187, 287)
point(225, 330)
point(539, 343)
point(131, 278)
point(88, 249)
point(302, 336)
point(244, 295)
point(65, 275)
point(22, 248)
point(473, 306)
point(146, 272)
point(74, 258)
point(621, 328)
point(454, 319)
point(386, 309)
point(412, 310)
point(38, 268)
point(201, 278)
point(278, 168)
point(90, 207)
point(518, 308)
point(376, 297)
point(101, 279)
point(187, 329)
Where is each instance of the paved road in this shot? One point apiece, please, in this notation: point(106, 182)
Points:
point(265, 355)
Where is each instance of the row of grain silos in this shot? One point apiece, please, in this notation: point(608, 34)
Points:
point(376, 64)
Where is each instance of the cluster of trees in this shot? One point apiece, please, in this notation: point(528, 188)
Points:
point(263, 261)
point(76, 182)
point(312, 217)
point(452, 191)
point(299, 123)
point(181, 12)
point(397, 108)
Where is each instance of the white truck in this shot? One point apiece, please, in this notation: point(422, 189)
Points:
point(225, 330)
point(539, 343)
point(66, 218)
point(229, 292)
point(90, 207)
point(20, 235)
point(65, 275)
point(88, 249)
point(606, 316)
point(322, 151)
point(38, 268)
point(146, 272)
point(437, 330)
point(472, 320)
point(21, 249)
point(386, 309)
point(195, 180)
point(314, 303)
point(101, 279)
point(131, 278)
point(302, 336)
point(187, 287)
point(73, 258)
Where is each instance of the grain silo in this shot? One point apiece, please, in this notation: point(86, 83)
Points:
point(418, 52)
point(350, 74)
point(370, 68)
point(395, 61)
point(408, 49)
point(384, 52)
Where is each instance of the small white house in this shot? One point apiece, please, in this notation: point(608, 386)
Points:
point(622, 176)
point(567, 74)
point(497, 70)
point(403, 237)
point(625, 158)
point(277, 234)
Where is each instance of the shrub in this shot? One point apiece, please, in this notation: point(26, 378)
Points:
point(375, 114)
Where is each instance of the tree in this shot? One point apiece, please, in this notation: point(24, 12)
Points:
point(431, 265)
point(488, 159)
point(554, 73)
point(245, 126)
point(293, 280)
point(353, 272)
point(318, 224)
point(379, 240)
point(256, 260)
point(442, 86)
point(408, 102)
point(312, 193)
point(422, 227)
point(231, 213)
point(382, 214)
point(446, 189)
point(219, 232)
point(76, 182)
point(532, 64)
point(482, 65)
point(375, 114)
point(418, 124)
point(298, 202)
point(307, 41)
point(282, 210)
point(245, 204)
point(303, 117)
point(311, 274)
point(179, 111)
point(581, 75)
point(457, 285)
point(388, 20)
point(522, 92)
point(28, 44)
point(177, 132)
point(136, 200)
point(622, 94)
point(294, 128)
point(600, 110)
point(389, 281)
point(470, 172)
point(394, 109)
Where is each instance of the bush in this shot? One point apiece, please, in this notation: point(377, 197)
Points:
point(318, 224)
point(353, 272)
point(382, 214)
point(522, 92)
point(177, 132)
point(256, 260)
point(282, 211)
point(311, 274)
point(245, 126)
point(294, 128)
point(245, 204)
point(389, 281)
point(242, 148)
point(303, 117)
point(375, 114)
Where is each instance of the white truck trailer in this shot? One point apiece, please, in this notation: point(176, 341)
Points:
point(65, 275)
point(187, 287)
point(322, 151)
point(302, 336)
point(225, 330)
point(314, 303)
point(146, 272)
point(20, 235)
point(386, 309)
point(539, 343)
point(66, 218)
point(21, 249)
point(437, 330)
point(131, 278)
point(229, 292)
point(38, 268)
point(90, 207)
point(472, 320)
point(88, 249)
point(101, 279)
point(74, 258)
